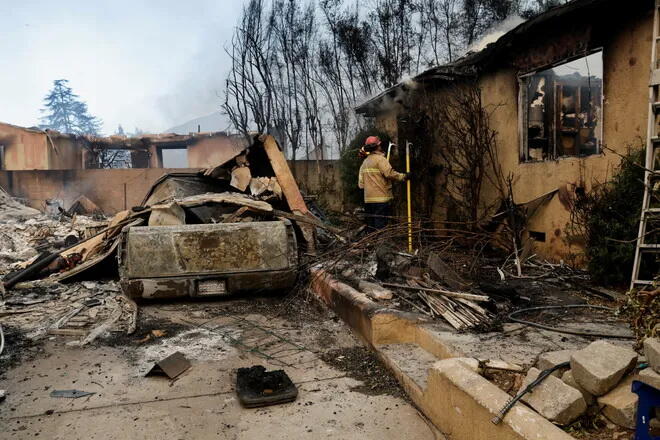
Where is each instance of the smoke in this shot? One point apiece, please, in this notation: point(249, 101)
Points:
point(396, 99)
point(199, 90)
point(496, 32)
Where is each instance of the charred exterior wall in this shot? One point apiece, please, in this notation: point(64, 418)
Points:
point(67, 154)
point(626, 66)
point(32, 149)
point(24, 149)
point(113, 190)
point(624, 33)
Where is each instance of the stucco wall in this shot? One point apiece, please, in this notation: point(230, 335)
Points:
point(24, 149)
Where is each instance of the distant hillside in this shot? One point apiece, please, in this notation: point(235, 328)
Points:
point(213, 122)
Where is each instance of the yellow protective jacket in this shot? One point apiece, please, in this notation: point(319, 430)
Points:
point(375, 178)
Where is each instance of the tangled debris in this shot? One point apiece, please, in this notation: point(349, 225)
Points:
point(82, 310)
point(464, 280)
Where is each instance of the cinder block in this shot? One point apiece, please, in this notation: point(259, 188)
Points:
point(620, 404)
point(569, 380)
point(600, 366)
point(652, 352)
point(553, 399)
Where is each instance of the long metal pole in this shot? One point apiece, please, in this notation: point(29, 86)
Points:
point(410, 243)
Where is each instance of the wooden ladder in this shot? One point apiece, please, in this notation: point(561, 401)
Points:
point(650, 214)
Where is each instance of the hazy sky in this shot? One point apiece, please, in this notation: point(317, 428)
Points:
point(140, 63)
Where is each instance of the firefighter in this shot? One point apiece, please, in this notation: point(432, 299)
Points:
point(375, 178)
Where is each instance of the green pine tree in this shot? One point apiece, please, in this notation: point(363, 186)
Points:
point(65, 112)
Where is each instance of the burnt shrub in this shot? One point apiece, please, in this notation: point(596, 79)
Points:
point(608, 219)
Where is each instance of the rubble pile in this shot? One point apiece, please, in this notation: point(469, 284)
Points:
point(46, 307)
point(597, 379)
point(423, 283)
point(195, 234)
point(82, 310)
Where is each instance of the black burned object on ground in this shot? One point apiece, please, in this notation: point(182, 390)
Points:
point(257, 387)
point(172, 366)
point(362, 364)
point(18, 349)
point(144, 335)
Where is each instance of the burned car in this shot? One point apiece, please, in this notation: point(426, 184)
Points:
point(207, 259)
point(217, 232)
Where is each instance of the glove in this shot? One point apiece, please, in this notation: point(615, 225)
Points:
point(408, 177)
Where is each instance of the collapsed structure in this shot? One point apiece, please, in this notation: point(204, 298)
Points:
point(36, 149)
point(238, 226)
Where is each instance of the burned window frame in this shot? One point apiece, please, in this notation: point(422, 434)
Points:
point(523, 113)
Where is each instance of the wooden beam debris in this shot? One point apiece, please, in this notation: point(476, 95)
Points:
point(468, 296)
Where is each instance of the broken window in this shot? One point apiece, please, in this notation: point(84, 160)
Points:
point(562, 109)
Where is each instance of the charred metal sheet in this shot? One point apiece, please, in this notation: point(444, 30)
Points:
point(167, 251)
point(171, 366)
point(181, 185)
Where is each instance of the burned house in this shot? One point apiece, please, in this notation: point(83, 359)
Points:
point(567, 93)
point(35, 149)
point(114, 172)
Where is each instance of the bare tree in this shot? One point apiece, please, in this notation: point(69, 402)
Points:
point(393, 38)
point(440, 21)
point(299, 67)
point(249, 93)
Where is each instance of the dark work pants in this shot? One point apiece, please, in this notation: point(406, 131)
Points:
point(377, 215)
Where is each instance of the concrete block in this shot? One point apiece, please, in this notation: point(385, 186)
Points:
point(620, 404)
point(553, 399)
point(649, 377)
point(652, 352)
point(554, 358)
point(569, 380)
point(600, 366)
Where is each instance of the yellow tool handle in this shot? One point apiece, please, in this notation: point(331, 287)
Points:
point(410, 243)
